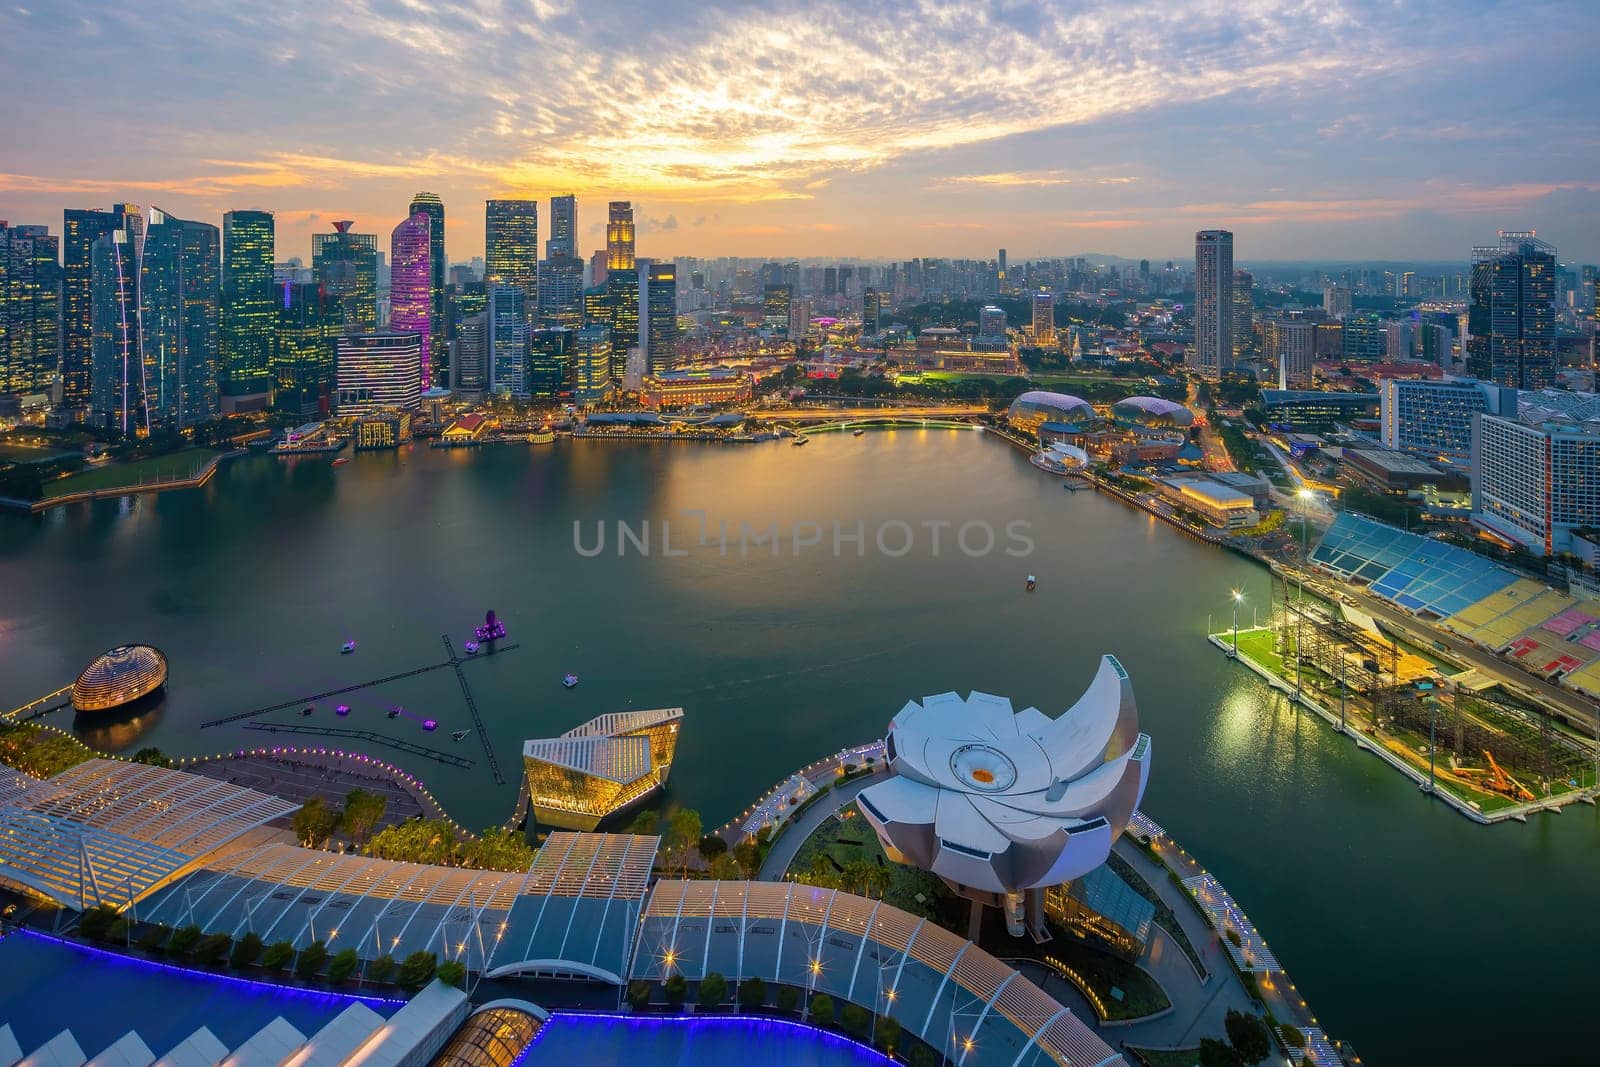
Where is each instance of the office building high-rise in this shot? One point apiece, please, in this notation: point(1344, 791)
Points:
point(1397, 341)
point(598, 275)
point(181, 291)
point(622, 293)
point(619, 237)
point(1044, 319)
point(1336, 301)
point(992, 324)
point(658, 316)
point(345, 264)
point(1434, 418)
point(30, 309)
point(308, 324)
point(430, 204)
point(872, 301)
point(561, 292)
point(1244, 315)
point(592, 365)
point(511, 243)
point(117, 370)
point(800, 320)
point(410, 292)
point(1511, 321)
point(1211, 356)
point(1292, 344)
point(1536, 475)
point(509, 333)
point(249, 314)
point(1365, 339)
point(563, 227)
point(81, 228)
point(549, 355)
point(378, 370)
point(775, 307)
point(469, 357)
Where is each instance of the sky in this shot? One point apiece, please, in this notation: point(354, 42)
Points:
point(1330, 129)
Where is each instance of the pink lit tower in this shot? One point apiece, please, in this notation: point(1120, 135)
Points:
point(410, 286)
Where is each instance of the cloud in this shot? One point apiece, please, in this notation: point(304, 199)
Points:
point(1035, 177)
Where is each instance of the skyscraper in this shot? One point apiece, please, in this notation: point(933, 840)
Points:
point(1293, 346)
point(30, 308)
point(871, 311)
point(549, 353)
point(1044, 319)
point(309, 324)
point(1511, 322)
point(598, 275)
point(563, 227)
point(410, 291)
point(1211, 356)
point(248, 312)
point(377, 371)
point(469, 358)
point(622, 292)
point(117, 370)
point(511, 247)
point(181, 292)
point(430, 204)
point(619, 237)
point(346, 266)
point(81, 228)
point(1244, 315)
point(775, 307)
point(508, 341)
point(592, 365)
point(658, 316)
point(561, 292)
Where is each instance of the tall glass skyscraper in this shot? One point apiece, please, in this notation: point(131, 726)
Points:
point(410, 291)
point(619, 237)
point(658, 319)
point(117, 370)
point(563, 227)
point(430, 204)
point(248, 312)
point(1511, 322)
point(508, 341)
point(80, 230)
point(592, 365)
point(549, 354)
point(561, 292)
point(1211, 355)
point(308, 324)
point(622, 293)
point(182, 295)
point(30, 308)
point(345, 264)
point(511, 247)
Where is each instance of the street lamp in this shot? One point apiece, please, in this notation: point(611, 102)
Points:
point(1238, 598)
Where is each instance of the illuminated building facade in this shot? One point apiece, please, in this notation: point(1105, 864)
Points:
point(591, 365)
point(1292, 344)
point(249, 314)
point(1511, 321)
point(508, 341)
point(775, 301)
point(1044, 319)
point(302, 356)
point(619, 238)
point(1536, 474)
point(1244, 315)
point(1434, 419)
point(622, 290)
point(549, 359)
point(346, 266)
point(1211, 355)
point(384, 429)
point(1038, 410)
point(598, 769)
point(872, 307)
point(561, 292)
point(469, 357)
point(430, 205)
point(658, 316)
point(378, 370)
point(686, 388)
point(30, 309)
point(410, 292)
point(511, 247)
point(80, 230)
point(563, 228)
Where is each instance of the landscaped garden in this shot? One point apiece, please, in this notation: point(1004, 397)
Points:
point(174, 466)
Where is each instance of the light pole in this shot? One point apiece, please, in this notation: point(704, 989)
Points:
point(1238, 598)
point(1304, 496)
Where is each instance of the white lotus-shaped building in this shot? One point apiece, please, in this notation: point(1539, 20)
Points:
point(998, 803)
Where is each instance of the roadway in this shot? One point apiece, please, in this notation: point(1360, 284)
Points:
point(833, 414)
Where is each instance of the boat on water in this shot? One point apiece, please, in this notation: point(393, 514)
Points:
point(857, 432)
point(570, 680)
point(341, 461)
point(1032, 581)
point(460, 735)
point(798, 441)
point(342, 709)
point(430, 724)
point(308, 709)
point(347, 648)
point(394, 712)
point(471, 648)
point(491, 630)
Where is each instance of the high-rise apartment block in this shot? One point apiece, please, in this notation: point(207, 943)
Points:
point(1211, 356)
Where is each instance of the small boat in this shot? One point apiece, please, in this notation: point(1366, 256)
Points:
point(1032, 581)
point(857, 432)
point(308, 709)
point(798, 441)
point(394, 712)
point(430, 724)
point(570, 680)
point(342, 709)
point(347, 648)
point(341, 461)
point(460, 735)
point(471, 648)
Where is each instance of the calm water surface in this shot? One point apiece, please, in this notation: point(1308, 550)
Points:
point(1410, 930)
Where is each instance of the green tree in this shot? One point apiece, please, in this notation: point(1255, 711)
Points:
point(1248, 1035)
point(499, 850)
point(153, 938)
point(822, 1009)
point(418, 970)
point(381, 970)
point(314, 823)
point(711, 846)
point(921, 1056)
point(117, 932)
point(713, 991)
point(276, 956)
point(212, 948)
point(246, 951)
point(416, 841)
point(94, 923)
point(362, 810)
point(888, 1033)
point(683, 830)
point(312, 957)
point(645, 822)
point(748, 855)
point(676, 989)
point(1214, 1053)
point(153, 756)
point(752, 993)
point(453, 972)
point(1292, 1036)
point(726, 868)
point(822, 870)
point(343, 964)
point(638, 995)
point(184, 940)
point(855, 1019)
point(787, 999)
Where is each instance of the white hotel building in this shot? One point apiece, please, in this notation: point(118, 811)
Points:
point(376, 371)
point(1537, 476)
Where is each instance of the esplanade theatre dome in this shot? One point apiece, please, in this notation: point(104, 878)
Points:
point(121, 676)
point(1153, 413)
point(1037, 408)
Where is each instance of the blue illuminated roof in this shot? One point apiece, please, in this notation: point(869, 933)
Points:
point(1415, 572)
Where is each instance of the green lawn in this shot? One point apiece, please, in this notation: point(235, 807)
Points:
point(1107, 975)
point(174, 466)
point(19, 453)
point(847, 837)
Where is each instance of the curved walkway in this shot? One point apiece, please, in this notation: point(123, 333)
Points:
point(796, 833)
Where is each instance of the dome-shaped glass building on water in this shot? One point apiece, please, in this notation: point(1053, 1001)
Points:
point(121, 676)
point(1053, 412)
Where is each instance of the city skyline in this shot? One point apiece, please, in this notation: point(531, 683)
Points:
point(1351, 132)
